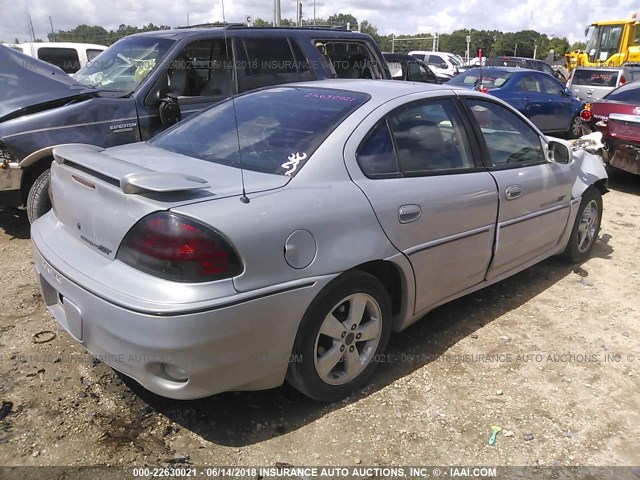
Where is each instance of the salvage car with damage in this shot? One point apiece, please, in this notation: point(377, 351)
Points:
point(315, 219)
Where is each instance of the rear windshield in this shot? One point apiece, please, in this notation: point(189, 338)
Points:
point(490, 78)
point(505, 62)
point(270, 131)
point(629, 93)
point(595, 78)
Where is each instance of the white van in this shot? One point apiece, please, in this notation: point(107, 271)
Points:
point(70, 57)
point(440, 62)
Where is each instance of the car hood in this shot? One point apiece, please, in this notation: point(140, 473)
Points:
point(28, 84)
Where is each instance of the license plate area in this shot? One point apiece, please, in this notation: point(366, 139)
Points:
point(67, 313)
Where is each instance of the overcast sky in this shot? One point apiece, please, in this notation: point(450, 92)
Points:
point(553, 17)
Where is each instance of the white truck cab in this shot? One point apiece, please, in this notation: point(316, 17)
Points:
point(70, 57)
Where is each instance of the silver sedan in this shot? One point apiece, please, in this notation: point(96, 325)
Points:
point(285, 233)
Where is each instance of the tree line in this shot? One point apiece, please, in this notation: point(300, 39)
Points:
point(524, 43)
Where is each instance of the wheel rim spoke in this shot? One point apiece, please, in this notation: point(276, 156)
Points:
point(331, 327)
point(328, 361)
point(368, 331)
point(357, 306)
point(352, 363)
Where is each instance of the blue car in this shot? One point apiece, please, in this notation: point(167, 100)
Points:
point(537, 95)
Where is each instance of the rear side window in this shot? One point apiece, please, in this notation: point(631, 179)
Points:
point(595, 78)
point(418, 139)
point(629, 92)
point(65, 58)
point(270, 61)
point(350, 59)
point(270, 131)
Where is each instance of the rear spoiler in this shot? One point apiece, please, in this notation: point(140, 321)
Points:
point(131, 178)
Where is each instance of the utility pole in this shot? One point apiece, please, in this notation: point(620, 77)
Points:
point(31, 30)
point(468, 42)
point(53, 33)
point(277, 14)
point(188, 20)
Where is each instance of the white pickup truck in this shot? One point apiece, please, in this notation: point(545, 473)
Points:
point(70, 57)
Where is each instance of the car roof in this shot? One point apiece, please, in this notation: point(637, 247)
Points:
point(506, 69)
point(378, 90)
point(399, 56)
point(178, 33)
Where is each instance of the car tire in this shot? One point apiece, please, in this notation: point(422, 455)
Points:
point(331, 357)
point(575, 130)
point(586, 227)
point(38, 201)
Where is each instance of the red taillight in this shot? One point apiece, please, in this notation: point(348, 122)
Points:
point(180, 249)
point(483, 90)
point(586, 115)
point(622, 80)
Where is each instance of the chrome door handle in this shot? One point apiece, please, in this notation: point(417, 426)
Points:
point(513, 192)
point(409, 213)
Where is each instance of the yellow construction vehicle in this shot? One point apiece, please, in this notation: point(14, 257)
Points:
point(611, 43)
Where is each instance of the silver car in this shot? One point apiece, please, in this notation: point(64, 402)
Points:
point(284, 234)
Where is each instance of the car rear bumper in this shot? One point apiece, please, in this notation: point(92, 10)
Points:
point(233, 345)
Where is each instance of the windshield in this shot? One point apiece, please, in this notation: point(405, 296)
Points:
point(124, 65)
point(269, 131)
point(604, 42)
point(491, 78)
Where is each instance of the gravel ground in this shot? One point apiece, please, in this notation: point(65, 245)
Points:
point(564, 388)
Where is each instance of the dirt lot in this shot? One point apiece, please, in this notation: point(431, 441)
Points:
point(564, 391)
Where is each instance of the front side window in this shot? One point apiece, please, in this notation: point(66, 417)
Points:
point(124, 65)
point(552, 86)
point(93, 53)
point(435, 60)
point(270, 131)
point(510, 140)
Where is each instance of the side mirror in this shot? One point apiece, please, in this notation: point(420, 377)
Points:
point(169, 110)
point(559, 152)
point(567, 92)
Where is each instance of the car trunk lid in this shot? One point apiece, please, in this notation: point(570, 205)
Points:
point(98, 196)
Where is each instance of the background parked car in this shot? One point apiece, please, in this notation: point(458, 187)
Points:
point(441, 62)
point(408, 68)
point(593, 83)
point(520, 62)
point(70, 57)
point(617, 117)
point(314, 220)
point(149, 81)
point(537, 95)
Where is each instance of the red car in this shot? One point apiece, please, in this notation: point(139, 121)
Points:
point(617, 116)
